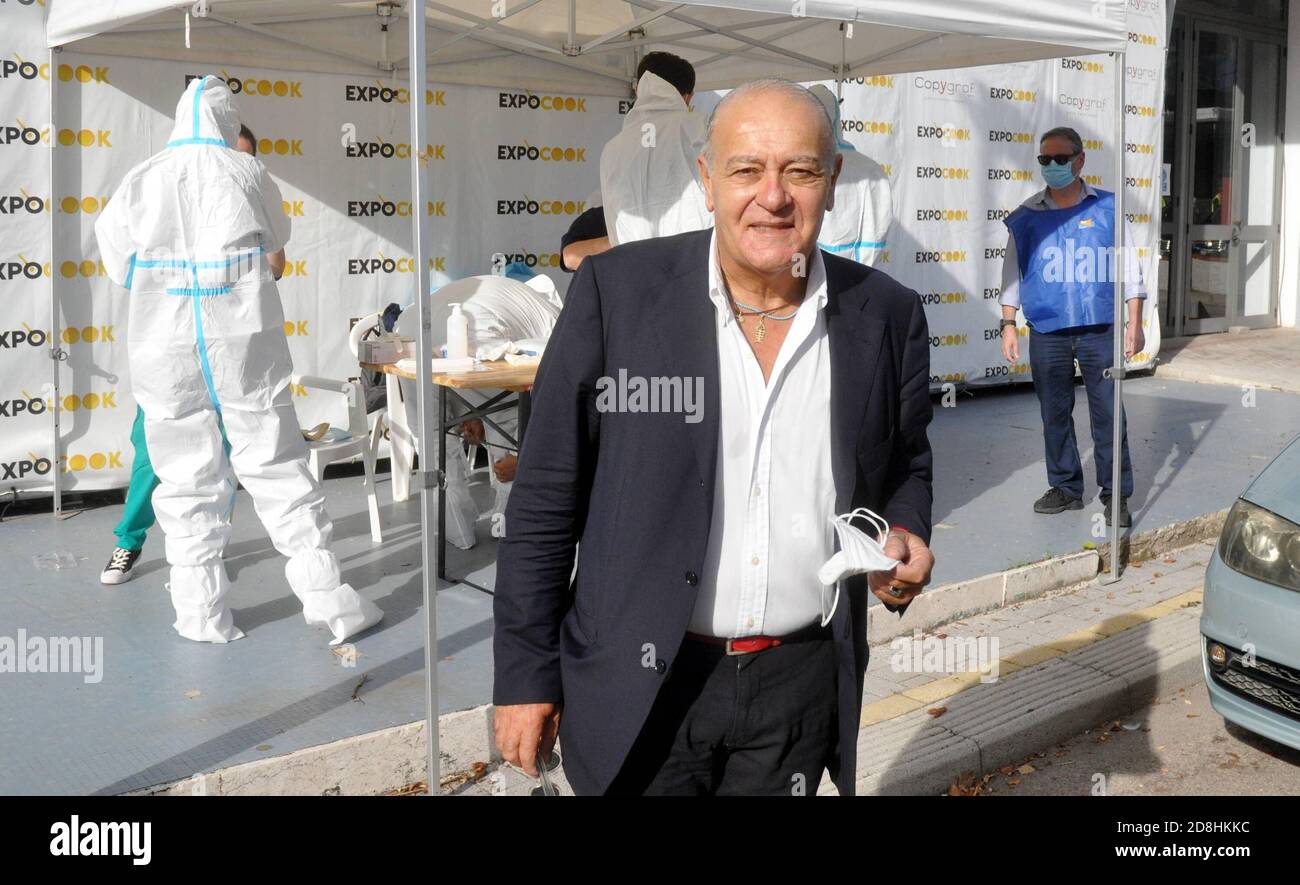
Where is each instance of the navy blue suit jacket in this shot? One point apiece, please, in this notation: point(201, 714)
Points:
point(631, 493)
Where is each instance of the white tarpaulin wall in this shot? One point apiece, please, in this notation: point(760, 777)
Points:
point(959, 145)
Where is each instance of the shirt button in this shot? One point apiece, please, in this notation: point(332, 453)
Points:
point(660, 666)
point(692, 578)
point(754, 560)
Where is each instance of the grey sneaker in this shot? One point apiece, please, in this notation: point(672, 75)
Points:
point(1125, 518)
point(1055, 501)
point(118, 570)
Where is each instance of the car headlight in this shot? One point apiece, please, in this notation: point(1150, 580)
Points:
point(1261, 544)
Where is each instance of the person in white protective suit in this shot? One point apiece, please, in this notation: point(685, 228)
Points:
point(857, 226)
point(649, 179)
point(505, 313)
point(188, 233)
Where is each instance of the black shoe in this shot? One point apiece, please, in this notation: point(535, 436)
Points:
point(1125, 518)
point(1056, 501)
point(118, 570)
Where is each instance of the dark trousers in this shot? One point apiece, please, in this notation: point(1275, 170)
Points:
point(1051, 358)
point(756, 724)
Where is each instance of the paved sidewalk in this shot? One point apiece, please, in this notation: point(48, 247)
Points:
point(1064, 662)
point(1268, 358)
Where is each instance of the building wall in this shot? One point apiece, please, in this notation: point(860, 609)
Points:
point(1289, 294)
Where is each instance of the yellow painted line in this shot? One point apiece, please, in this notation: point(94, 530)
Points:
point(945, 687)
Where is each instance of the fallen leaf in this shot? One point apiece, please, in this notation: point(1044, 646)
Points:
point(1193, 715)
point(263, 747)
point(1013, 782)
point(1026, 769)
point(936, 712)
point(192, 694)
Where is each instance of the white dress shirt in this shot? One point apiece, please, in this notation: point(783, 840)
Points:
point(1041, 202)
point(774, 494)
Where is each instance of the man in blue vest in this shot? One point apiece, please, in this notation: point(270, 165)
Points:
point(1060, 270)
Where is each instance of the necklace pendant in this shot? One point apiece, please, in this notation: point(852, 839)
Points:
point(760, 332)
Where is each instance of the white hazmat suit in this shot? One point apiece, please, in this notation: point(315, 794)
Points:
point(649, 180)
point(857, 227)
point(187, 234)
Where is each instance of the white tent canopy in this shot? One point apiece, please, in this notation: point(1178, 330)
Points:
point(591, 47)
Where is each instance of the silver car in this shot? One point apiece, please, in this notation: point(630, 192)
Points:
point(1250, 627)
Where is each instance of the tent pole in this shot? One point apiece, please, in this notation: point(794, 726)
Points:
point(1117, 364)
point(56, 332)
point(428, 475)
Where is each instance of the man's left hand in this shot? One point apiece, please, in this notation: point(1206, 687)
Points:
point(1134, 340)
point(909, 577)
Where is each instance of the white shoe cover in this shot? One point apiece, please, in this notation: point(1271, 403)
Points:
point(314, 577)
point(198, 594)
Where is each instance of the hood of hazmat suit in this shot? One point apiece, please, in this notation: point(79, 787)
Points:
point(187, 233)
point(649, 179)
point(857, 226)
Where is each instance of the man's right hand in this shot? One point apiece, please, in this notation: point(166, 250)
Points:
point(1011, 344)
point(524, 729)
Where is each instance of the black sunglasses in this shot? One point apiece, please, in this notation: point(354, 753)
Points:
point(1059, 159)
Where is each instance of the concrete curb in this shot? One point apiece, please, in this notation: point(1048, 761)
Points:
point(951, 602)
point(1171, 371)
point(392, 758)
point(916, 754)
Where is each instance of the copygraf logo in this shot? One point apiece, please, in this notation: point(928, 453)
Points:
point(18, 68)
point(385, 265)
point(1141, 74)
point(1144, 7)
point(529, 206)
point(389, 150)
point(545, 153)
point(879, 81)
point(259, 87)
point(77, 838)
point(16, 339)
point(943, 215)
point(867, 127)
point(944, 88)
point(382, 207)
point(1006, 93)
point(24, 653)
point(1084, 104)
point(366, 93)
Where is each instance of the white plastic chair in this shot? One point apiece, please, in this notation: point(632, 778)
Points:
point(324, 452)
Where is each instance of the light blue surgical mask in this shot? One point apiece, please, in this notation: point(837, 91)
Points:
point(1058, 176)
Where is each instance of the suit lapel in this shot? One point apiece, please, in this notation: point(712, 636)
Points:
point(686, 321)
point(855, 348)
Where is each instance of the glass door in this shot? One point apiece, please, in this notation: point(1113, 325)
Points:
point(1234, 143)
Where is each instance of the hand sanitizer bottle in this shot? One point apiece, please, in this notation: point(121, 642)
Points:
point(457, 334)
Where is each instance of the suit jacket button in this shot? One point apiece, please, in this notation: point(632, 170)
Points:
point(692, 578)
point(660, 666)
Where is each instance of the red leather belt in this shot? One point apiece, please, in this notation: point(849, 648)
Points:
point(751, 644)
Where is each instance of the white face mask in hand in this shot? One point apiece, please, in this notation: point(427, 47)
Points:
point(858, 553)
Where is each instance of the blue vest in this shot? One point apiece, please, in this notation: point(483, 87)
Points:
point(1067, 263)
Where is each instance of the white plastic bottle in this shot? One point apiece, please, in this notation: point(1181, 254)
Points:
point(457, 334)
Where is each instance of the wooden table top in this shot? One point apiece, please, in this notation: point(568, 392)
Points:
point(497, 374)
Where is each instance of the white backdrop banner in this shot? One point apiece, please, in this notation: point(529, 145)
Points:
point(510, 172)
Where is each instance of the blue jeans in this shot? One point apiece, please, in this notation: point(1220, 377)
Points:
point(1051, 358)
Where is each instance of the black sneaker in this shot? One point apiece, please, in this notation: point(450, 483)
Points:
point(118, 570)
point(1125, 518)
point(1055, 501)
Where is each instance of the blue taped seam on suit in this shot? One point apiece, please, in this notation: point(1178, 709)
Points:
point(858, 244)
point(130, 273)
point(184, 141)
point(200, 293)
